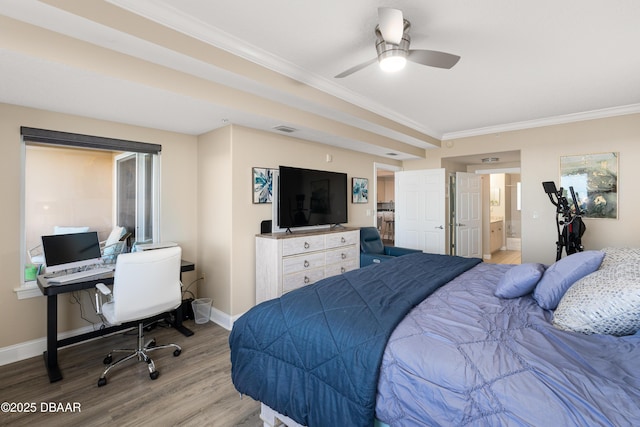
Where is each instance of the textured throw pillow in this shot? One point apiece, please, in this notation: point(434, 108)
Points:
point(519, 280)
point(604, 302)
point(615, 256)
point(564, 273)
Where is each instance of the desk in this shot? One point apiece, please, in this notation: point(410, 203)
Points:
point(52, 292)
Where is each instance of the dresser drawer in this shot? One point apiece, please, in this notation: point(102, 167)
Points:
point(303, 278)
point(341, 255)
point(285, 262)
point(300, 245)
point(336, 240)
point(343, 267)
point(295, 264)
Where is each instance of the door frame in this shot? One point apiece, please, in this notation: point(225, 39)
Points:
point(379, 166)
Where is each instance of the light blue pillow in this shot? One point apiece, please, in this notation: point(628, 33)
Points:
point(562, 274)
point(519, 280)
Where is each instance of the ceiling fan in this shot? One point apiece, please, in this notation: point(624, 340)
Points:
point(392, 45)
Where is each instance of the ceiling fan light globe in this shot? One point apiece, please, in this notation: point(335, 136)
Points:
point(392, 64)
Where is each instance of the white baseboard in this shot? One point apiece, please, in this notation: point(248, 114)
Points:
point(223, 319)
point(25, 350)
point(28, 349)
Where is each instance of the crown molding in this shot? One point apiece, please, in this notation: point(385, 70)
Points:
point(177, 20)
point(549, 121)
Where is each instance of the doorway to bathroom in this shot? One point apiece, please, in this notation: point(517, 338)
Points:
point(504, 218)
point(501, 202)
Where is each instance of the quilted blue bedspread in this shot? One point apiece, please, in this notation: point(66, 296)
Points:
point(464, 357)
point(314, 354)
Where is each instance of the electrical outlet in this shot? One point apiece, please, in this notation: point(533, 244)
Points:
point(203, 276)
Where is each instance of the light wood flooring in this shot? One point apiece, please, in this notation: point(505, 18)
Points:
point(193, 389)
point(498, 257)
point(505, 257)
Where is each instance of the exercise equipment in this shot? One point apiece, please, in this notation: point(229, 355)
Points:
point(570, 237)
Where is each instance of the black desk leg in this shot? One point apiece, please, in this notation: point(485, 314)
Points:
point(178, 324)
point(51, 355)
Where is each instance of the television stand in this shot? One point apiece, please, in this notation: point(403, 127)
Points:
point(285, 262)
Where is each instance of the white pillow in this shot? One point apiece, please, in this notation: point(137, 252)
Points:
point(110, 247)
point(115, 236)
point(604, 302)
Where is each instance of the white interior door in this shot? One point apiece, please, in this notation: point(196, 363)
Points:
point(420, 210)
point(468, 215)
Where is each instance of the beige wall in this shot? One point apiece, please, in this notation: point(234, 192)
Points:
point(206, 202)
point(24, 320)
point(231, 220)
point(540, 150)
point(215, 216)
point(67, 187)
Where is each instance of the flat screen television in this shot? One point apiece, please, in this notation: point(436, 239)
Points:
point(67, 251)
point(308, 197)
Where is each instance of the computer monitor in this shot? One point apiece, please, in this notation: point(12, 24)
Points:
point(66, 251)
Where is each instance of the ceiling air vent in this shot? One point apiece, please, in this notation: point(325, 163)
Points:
point(490, 160)
point(285, 129)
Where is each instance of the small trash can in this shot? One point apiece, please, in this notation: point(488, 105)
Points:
point(201, 310)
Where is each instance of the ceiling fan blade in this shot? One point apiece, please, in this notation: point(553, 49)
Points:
point(433, 58)
point(356, 68)
point(390, 24)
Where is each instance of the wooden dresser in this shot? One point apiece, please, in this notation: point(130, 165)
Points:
point(285, 262)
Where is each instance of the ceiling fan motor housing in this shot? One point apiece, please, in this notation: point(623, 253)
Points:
point(386, 49)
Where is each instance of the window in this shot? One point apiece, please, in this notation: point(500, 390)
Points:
point(76, 180)
point(136, 182)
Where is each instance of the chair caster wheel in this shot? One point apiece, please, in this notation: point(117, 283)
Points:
point(154, 375)
point(107, 360)
point(176, 352)
point(102, 381)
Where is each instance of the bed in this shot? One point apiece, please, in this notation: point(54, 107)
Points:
point(424, 340)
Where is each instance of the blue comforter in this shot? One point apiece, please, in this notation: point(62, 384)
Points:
point(314, 354)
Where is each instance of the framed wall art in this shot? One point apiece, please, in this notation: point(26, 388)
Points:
point(594, 178)
point(360, 190)
point(262, 185)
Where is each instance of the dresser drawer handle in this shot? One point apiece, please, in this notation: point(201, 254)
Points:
point(344, 256)
point(306, 279)
point(306, 263)
point(342, 269)
point(306, 245)
point(343, 240)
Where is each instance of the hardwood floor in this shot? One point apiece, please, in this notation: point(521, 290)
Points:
point(192, 389)
point(498, 257)
point(505, 257)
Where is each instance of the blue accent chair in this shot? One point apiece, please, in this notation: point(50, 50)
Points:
point(373, 251)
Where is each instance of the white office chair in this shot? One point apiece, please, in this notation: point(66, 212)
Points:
point(146, 284)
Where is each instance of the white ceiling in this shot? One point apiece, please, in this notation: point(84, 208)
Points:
point(524, 64)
